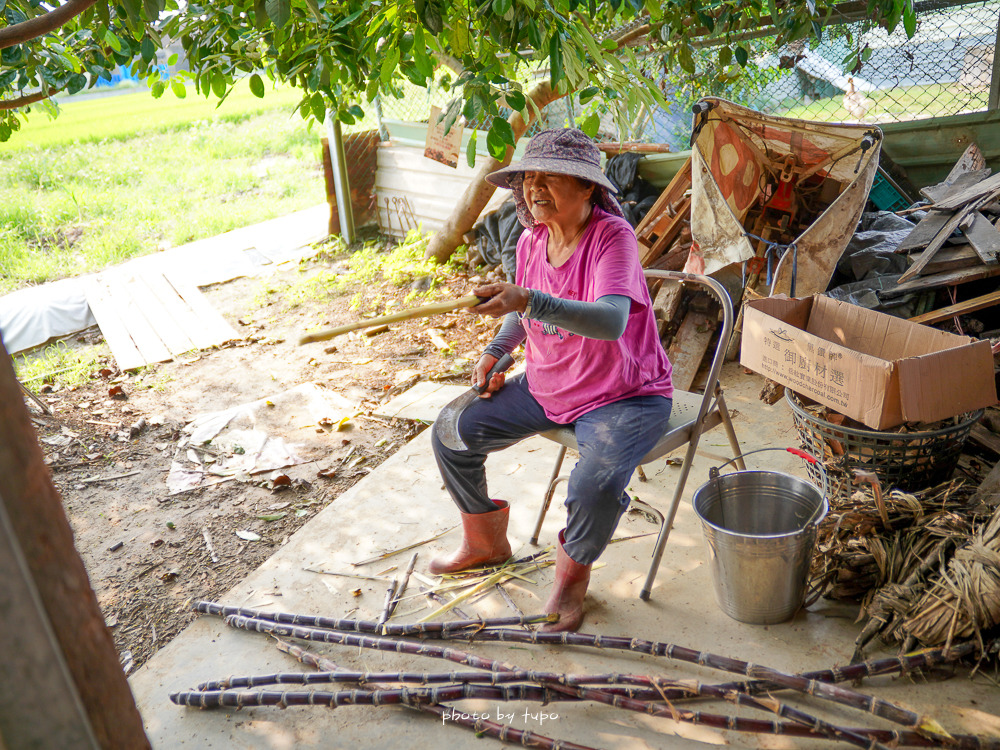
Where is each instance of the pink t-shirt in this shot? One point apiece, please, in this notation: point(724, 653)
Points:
point(568, 374)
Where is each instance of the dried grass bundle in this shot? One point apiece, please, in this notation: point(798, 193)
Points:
point(965, 598)
point(898, 561)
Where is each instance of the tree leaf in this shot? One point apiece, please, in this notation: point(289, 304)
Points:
point(741, 55)
point(495, 144)
point(257, 86)
point(279, 11)
point(470, 150)
point(684, 57)
point(500, 7)
point(218, 84)
point(591, 124)
point(178, 87)
point(515, 100)
point(556, 72)
point(506, 132)
point(153, 9)
point(112, 41)
point(131, 7)
point(77, 82)
point(431, 17)
point(318, 105)
point(725, 56)
point(910, 20)
point(147, 49)
point(389, 63)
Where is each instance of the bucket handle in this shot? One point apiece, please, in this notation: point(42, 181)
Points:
point(713, 473)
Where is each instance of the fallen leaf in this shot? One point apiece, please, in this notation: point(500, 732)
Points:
point(248, 536)
point(278, 506)
point(356, 592)
point(272, 517)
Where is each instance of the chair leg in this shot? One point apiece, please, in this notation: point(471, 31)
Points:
point(553, 481)
point(727, 425)
point(661, 539)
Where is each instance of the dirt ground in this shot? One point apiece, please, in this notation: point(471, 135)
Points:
point(110, 445)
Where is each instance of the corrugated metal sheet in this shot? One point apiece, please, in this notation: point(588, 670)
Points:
point(412, 190)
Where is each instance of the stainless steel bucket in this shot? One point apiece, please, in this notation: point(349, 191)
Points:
point(761, 529)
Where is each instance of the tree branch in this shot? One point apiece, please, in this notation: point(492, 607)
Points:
point(24, 101)
point(43, 24)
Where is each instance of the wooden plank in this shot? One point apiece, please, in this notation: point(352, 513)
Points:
point(987, 186)
point(971, 160)
point(667, 300)
point(153, 310)
point(179, 310)
point(115, 333)
point(689, 346)
point(35, 517)
point(648, 232)
point(925, 231)
point(952, 258)
point(934, 245)
point(667, 230)
point(984, 238)
point(954, 185)
point(984, 437)
point(138, 326)
point(214, 324)
point(959, 308)
point(949, 278)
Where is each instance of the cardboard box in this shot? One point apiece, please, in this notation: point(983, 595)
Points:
point(872, 367)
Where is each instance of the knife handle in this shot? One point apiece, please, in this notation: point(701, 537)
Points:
point(501, 365)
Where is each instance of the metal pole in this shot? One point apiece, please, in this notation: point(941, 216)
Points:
point(383, 131)
point(994, 100)
point(340, 180)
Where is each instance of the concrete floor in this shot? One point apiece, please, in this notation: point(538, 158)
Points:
point(403, 502)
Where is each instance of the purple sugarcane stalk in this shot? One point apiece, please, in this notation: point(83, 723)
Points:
point(461, 657)
point(478, 725)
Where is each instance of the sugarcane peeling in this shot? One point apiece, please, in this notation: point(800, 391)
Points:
point(593, 360)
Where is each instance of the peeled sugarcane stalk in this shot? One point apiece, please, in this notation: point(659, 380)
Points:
point(370, 626)
point(425, 311)
point(478, 725)
point(461, 657)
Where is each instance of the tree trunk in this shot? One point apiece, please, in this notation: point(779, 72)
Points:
point(42, 531)
point(478, 194)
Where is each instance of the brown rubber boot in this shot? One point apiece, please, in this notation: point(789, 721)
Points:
point(568, 591)
point(484, 542)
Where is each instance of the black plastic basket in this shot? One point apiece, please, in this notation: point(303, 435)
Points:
point(906, 460)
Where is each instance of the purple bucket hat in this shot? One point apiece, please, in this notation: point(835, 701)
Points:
point(559, 151)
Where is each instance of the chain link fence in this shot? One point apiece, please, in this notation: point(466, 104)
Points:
point(857, 73)
point(945, 69)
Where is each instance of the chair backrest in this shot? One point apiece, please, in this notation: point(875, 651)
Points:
point(722, 296)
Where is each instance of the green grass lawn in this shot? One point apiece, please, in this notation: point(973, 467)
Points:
point(116, 177)
point(891, 105)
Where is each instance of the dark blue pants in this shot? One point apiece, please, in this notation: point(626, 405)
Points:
point(612, 439)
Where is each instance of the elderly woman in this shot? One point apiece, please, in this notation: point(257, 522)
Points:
point(593, 360)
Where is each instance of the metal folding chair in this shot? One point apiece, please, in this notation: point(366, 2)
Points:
point(692, 414)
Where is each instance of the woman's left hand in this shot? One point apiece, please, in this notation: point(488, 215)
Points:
point(503, 298)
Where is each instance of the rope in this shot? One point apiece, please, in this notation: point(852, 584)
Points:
point(773, 256)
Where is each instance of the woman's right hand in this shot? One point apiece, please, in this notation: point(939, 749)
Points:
point(479, 376)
